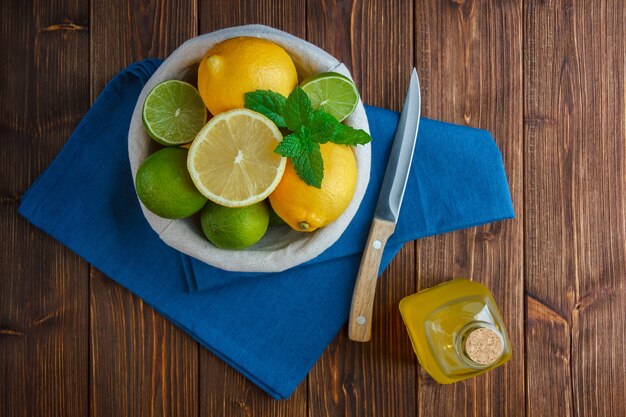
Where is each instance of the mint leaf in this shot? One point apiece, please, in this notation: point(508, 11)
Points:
point(269, 104)
point(322, 127)
point(298, 110)
point(346, 135)
point(305, 155)
point(310, 166)
point(310, 128)
point(290, 146)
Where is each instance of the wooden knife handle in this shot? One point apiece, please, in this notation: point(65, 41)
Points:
point(360, 324)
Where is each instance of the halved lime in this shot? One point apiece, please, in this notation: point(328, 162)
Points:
point(333, 93)
point(174, 113)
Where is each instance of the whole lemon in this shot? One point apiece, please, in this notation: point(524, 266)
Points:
point(306, 208)
point(240, 65)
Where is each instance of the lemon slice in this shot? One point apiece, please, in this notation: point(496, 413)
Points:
point(232, 160)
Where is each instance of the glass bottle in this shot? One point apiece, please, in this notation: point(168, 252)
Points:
point(456, 330)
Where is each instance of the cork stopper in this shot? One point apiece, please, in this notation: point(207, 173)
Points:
point(483, 346)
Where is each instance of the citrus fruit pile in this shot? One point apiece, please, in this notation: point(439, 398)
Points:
point(248, 148)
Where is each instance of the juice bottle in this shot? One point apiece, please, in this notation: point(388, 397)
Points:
point(456, 330)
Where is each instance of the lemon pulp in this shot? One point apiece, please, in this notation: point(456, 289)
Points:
point(232, 160)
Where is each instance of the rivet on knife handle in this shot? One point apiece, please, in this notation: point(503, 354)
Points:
point(360, 324)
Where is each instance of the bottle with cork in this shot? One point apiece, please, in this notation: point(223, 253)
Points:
point(456, 330)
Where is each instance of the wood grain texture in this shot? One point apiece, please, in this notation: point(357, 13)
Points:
point(226, 392)
point(360, 321)
point(374, 39)
point(549, 333)
point(469, 57)
point(375, 378)
point(141, 364)
point(43, 80)
point(285, 15)
point(223, 391)
point(125, 31)
point(43, 323)
point(43, 286)
point(575, 153)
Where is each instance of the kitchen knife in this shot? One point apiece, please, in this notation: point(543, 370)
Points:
point(386, 214)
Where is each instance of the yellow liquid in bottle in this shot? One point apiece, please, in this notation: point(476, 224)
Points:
point(440, 322)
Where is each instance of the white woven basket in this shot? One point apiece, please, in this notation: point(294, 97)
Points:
point(281, 248)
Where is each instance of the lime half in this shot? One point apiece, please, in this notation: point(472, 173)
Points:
point(174, 113)
point(333, 93)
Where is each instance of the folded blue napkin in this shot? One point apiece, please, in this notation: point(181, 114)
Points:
point(270, 327)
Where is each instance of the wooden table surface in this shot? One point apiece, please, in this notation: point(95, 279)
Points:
point(546, 77)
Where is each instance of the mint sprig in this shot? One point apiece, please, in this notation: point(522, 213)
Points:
point(323, 126)
point(305, 156)
point(269, 104)
point(310, 128)
point(298, 110)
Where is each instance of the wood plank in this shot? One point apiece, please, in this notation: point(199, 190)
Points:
point(127, 31)
point(44, 287)
point(45, 48)
point(280, 14)
point(549, 333)
point(575, 107)
point(226, 392)
point(141, 364)
point(375, 378)
point(43, 323)
point(223, 391)
point(468, 55)
point(375, 41)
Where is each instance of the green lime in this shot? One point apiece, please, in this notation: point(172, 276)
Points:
point(333, 93)
point(164, 186)
point(275, 219)
point(174, 113)
point(234, 227)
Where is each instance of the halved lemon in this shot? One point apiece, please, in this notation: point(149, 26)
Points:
point(232, 160)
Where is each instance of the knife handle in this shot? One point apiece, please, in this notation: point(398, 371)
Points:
point(360, 323)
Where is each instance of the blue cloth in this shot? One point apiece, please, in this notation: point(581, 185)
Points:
point(270, 327)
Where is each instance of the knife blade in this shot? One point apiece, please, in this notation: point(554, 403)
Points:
point(386, 214)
